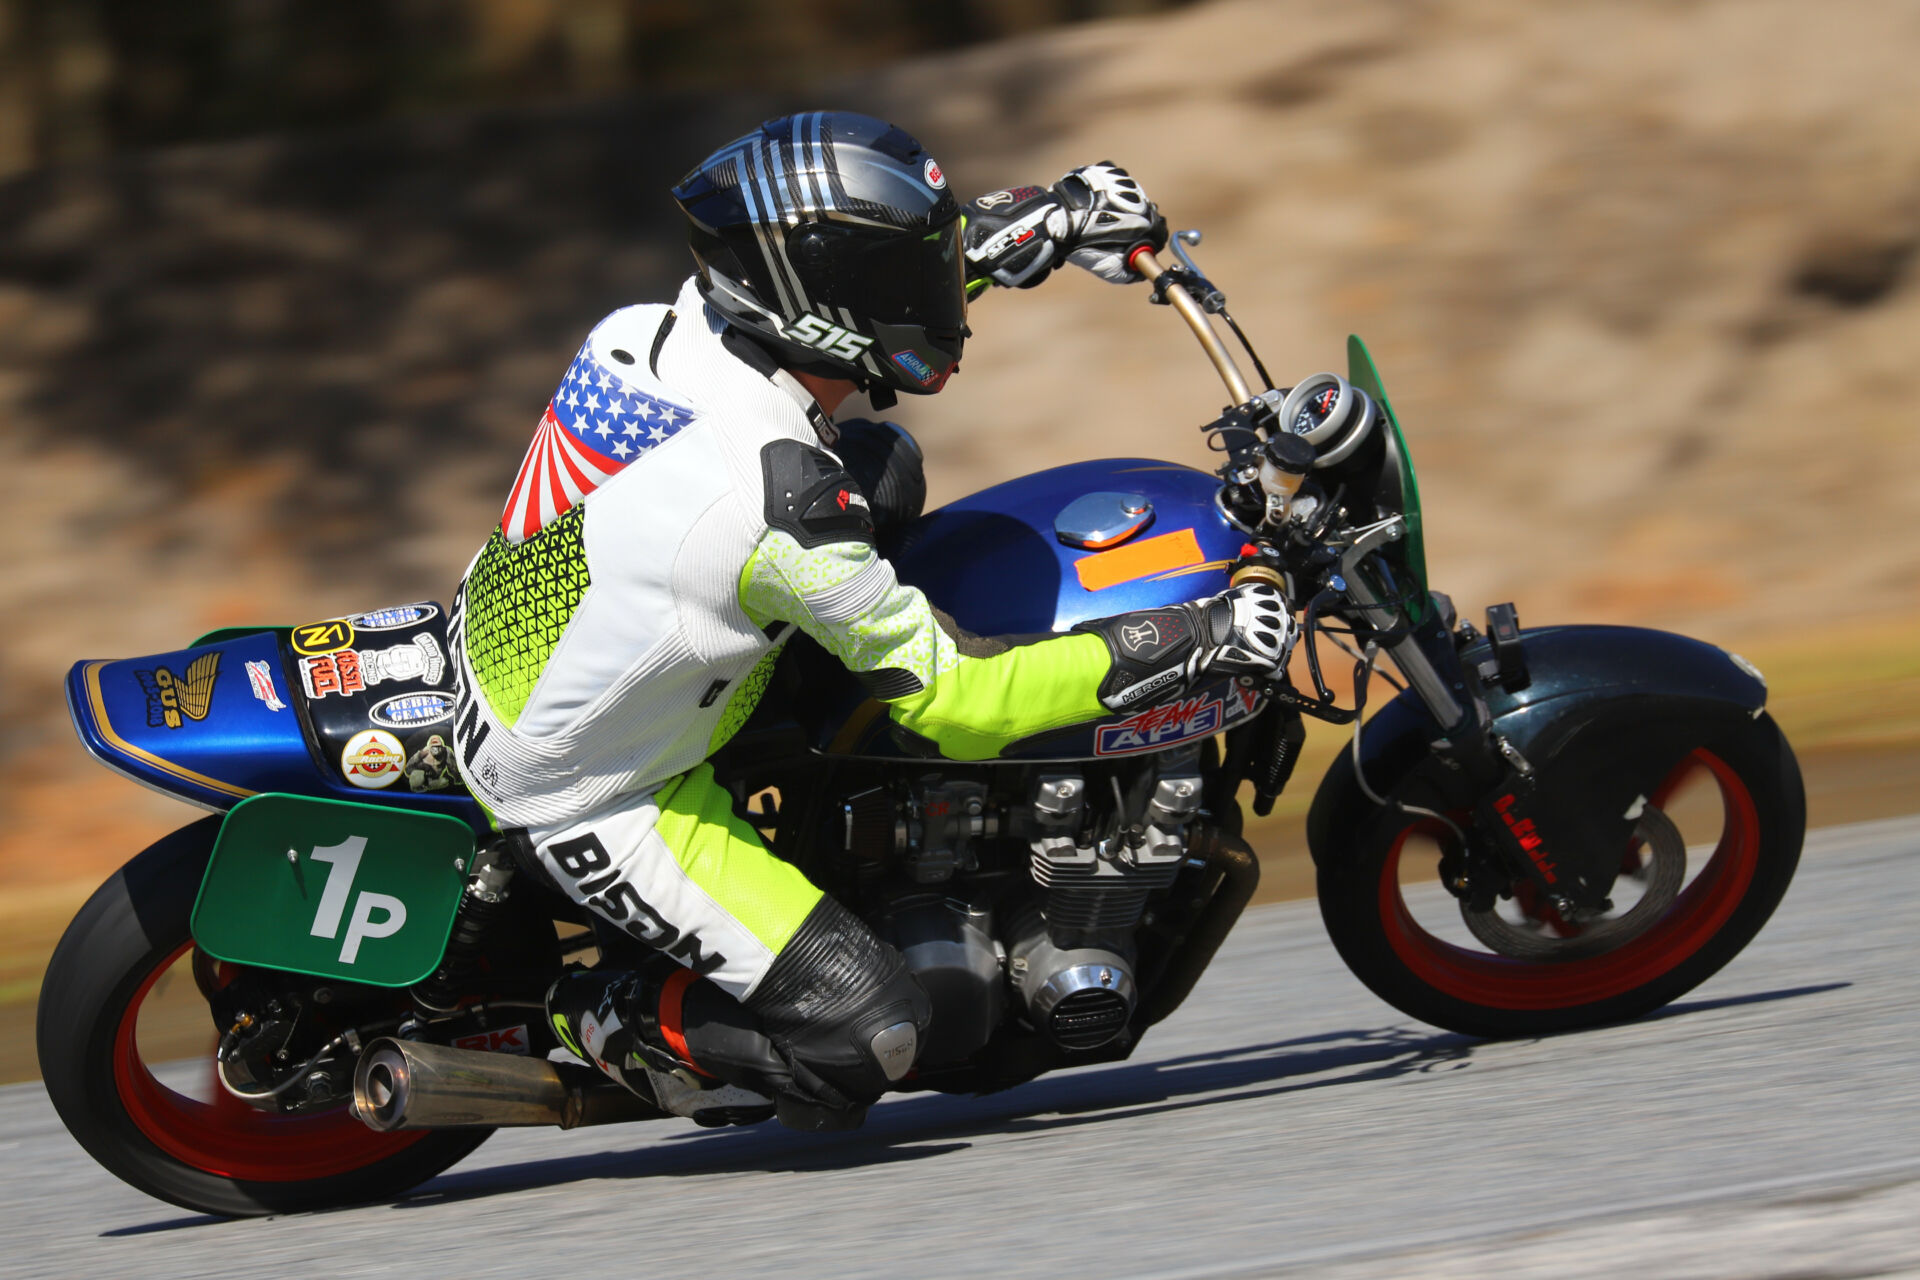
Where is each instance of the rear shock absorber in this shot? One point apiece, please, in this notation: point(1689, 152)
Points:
point(480, 905)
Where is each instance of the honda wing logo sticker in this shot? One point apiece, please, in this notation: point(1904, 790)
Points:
point(172, 700)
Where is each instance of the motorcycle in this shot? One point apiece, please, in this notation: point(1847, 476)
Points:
point(1498, 850)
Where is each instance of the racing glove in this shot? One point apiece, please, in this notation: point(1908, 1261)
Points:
point(1247, 631)
point(1093, 217)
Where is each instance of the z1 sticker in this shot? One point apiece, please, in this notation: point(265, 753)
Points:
point(372, 759)
point(322, 637)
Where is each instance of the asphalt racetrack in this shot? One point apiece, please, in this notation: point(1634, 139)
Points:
point(1285, 1122)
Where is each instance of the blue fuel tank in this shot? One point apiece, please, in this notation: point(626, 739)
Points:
point(994, 562)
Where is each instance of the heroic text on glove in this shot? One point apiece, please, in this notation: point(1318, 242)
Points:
point(1247, 631)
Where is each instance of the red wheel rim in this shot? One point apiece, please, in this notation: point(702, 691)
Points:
point(226, 1136)
point(1502, 982)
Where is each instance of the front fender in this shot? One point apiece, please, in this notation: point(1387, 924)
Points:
point(1610, 712)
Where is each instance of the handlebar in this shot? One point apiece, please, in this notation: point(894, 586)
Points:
point(1143, 261)
point(1424, 654)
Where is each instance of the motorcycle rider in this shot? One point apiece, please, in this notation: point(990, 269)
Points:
point(682, 511)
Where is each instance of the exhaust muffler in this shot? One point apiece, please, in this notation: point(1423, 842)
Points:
point(401, 1084)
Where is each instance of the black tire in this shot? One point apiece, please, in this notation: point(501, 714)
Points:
point(1480, 994)
point(124, 935)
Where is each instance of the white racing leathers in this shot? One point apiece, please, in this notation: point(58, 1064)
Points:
point(674, 520)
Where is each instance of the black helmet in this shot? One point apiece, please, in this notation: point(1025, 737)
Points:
point(832, 238)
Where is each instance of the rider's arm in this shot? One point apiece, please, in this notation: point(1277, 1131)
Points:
point(1093, 217)
point(971, 696)
point(816, 569)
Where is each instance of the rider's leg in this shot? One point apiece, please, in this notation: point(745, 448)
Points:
point(679, 870)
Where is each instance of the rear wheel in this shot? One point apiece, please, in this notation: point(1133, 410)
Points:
point(172, 1133)
point(1521, 968)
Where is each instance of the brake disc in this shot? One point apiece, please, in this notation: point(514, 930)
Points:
point(1661, 873)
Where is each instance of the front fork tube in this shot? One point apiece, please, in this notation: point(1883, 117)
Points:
point(1498, 776)
point(1425, 656)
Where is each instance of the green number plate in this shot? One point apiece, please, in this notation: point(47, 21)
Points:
point(338, 890)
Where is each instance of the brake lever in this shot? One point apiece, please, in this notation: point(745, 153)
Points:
point(1283, 694)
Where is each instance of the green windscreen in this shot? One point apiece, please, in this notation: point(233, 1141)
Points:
point(1409, 555)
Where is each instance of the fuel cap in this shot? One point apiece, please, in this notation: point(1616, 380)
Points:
point(1095, 521)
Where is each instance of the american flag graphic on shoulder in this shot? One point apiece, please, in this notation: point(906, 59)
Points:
point(594, 426)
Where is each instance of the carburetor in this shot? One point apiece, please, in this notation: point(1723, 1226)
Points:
point(943, 818)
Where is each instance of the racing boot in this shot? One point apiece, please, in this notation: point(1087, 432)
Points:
point(631, 1025)
point(834, 1023)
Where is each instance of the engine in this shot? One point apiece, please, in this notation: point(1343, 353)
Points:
point(1071, 958)
point(1031, 896)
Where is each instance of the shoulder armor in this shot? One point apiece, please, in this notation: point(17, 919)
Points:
point(811, 497)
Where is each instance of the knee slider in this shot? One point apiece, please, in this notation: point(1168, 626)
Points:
point(843, 1003)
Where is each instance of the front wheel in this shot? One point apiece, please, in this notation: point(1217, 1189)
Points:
point(1522, 969)
point(197, 1147)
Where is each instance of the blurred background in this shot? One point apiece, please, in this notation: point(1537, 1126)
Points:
point(285, 285)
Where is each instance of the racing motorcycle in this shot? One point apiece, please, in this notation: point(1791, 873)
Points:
point(1499, 848)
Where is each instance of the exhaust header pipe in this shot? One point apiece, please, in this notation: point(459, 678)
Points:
point(400, 1084)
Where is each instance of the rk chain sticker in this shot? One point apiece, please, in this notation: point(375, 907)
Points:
point(935, 178)
point(498, 1040)
point(372, 759)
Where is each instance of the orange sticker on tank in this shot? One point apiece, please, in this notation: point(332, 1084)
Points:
point(1174, 550)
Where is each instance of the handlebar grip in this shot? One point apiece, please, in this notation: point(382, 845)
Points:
point(1149, 269)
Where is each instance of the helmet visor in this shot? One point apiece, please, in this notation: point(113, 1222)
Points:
point(879, 274)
